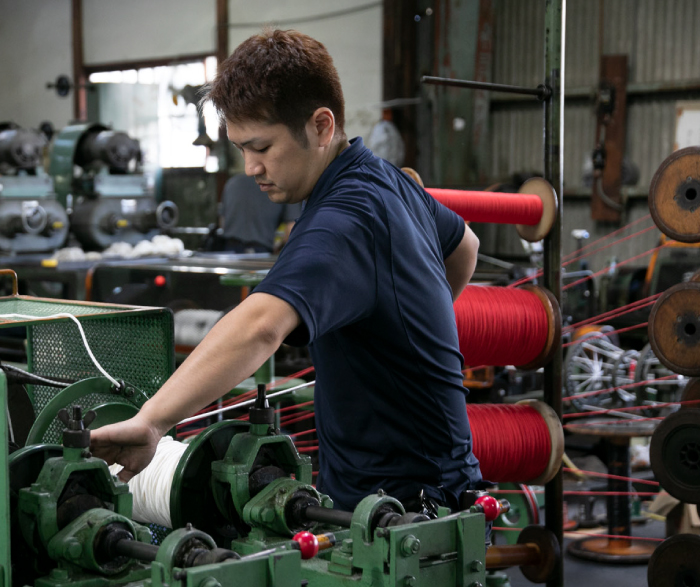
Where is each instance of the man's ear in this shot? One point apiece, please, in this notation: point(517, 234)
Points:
point(323, 126)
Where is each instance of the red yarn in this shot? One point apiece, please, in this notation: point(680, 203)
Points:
point(500, 208)
point(500, 326)
point(512, 442)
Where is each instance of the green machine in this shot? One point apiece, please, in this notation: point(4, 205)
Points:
point(243, 509)
point(98, 178)
point(31, 219)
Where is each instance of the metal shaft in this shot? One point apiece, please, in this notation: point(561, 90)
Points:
point(502, 557)
point(138, 550)
point(541, 92)
point(328, 516)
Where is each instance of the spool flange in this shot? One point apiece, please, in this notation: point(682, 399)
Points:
point(674, 328)
point(674, 196)
point(545, 192)
point(675, 455)
point(551, 306)
point(675, 562)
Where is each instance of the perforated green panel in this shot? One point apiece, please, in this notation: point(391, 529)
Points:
point(131, 343)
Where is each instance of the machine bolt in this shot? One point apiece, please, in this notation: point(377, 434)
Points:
point(410, 581)
point(188, 526)
point(476, 584)
point(283, 490)
point(72, 549)
point(381, 532)
point(36, 487)
point(381, 492)
point(346, 546)
point(477, 566)
point(209, 582)
point(410, 545)
point(59, 575)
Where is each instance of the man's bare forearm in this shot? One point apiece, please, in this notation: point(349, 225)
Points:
point(232, 351)
point(460, 265)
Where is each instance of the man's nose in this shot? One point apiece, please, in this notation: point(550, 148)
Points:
point(253, 166)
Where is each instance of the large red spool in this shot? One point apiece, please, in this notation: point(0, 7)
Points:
point(518, 443)
point(507, 326)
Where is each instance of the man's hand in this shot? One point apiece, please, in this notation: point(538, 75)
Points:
point(131, 443)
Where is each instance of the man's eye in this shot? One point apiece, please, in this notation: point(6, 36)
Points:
point(263, 150)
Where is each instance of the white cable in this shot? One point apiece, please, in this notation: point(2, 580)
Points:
point(245, 403)
point(82, 334)
point(151, 487)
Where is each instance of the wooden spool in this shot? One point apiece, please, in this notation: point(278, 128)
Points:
point(536, 186)
point(674, 328)
point(551, 306)
point(691, 393)
point(556, 436)
point(674, 196)
point(543, 190)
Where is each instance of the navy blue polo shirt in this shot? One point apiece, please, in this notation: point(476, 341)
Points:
point(364, 269)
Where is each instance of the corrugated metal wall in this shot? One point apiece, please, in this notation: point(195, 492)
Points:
point(661, 41)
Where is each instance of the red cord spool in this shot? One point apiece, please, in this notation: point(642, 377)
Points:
point(533, 209)
point(507, 326)
point(519, 443)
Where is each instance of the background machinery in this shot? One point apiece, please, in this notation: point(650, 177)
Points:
point(31, 219)
point(97, 172)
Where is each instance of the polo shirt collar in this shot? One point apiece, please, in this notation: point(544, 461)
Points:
point(352, 155)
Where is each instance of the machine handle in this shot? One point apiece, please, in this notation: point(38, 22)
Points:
point(12, 274)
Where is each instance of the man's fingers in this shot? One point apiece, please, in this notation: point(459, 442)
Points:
point(124, 475)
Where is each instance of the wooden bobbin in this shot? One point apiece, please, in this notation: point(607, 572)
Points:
point(414, 175)
point(674, 196)
point(533, 186)
point(545, 192)
point(556, 435)
point(674, 328)
point(691, 393)
point(551, 306)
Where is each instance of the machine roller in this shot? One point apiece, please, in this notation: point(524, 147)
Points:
point(242, 505)
point(98, 179)
point(246, 491)
point(31, 219)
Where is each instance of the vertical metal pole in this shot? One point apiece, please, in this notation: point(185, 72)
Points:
point(555, 19)
point(5, 536)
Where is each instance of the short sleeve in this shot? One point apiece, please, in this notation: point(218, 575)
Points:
point(327, 271)
point(450, 226)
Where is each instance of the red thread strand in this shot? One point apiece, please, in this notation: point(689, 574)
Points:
point(500, 326)
point(521, 448)
point(499, 208)
point(610, 235)
point(617, 242)
point(608, 476)
point(597, 273)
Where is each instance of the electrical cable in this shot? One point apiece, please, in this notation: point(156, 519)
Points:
point(82, 334)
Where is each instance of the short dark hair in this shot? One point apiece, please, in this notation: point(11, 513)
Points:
point(278, 77)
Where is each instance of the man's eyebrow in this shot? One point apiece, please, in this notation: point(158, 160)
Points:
point(244, 143)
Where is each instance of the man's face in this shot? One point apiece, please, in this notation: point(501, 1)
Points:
point(282, 167)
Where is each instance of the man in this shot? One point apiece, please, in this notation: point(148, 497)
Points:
point(367, 280)
point(250, 220)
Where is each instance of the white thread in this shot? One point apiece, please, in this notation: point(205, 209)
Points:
point(245, 403)
point(151, 487)
point(82, 334)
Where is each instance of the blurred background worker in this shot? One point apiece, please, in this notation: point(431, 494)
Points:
point(250, 220)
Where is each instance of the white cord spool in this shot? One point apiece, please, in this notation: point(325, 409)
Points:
point(151, 487)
